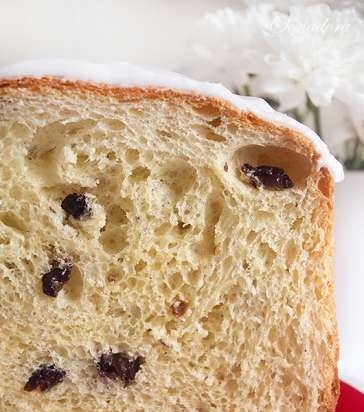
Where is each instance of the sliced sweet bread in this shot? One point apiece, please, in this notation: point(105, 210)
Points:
point(164, 246)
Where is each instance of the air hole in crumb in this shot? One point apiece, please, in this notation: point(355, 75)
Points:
point(148, 156)
point(179, 175)
point(137, 111)
point(220, 374)
point(215, 122)
point(207, 111)
point(136, 312)
point(296, 165)
point(17, 192)
point(179, 307)
point(98, 301)
point(73, 288)
point(213, 321)
point(68, 113)
point(252, 235)
point(112, 124)
point(152, 253)
point(6, 174)
point(231, 386)
point(131, 282)
point(21, 130)
point(194, 277)
point(175, 280)
point(297, 223)
point(14, 222)
point(111, 156)
point(213, 211)
point(113, 240)
point(171, 326)
point(82, 160)
point(162, 229)
point(227, 264)
point(164, 135)
point(139, 174)
point(267, 253)
point(74, 128)
point(140, 265)
point(43, 155)
point(9, 265)
point(132, 156)
point(209, 340)
point(183, 227)
point(114, 274)
point(246, 265)
point(207, 133)
point(116, 215)
point(264, 216)
point(4, 240)
point(291, 252)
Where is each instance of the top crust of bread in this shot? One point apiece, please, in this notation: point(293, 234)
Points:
point(127, 75)
point(280, 135)
point(290, 138)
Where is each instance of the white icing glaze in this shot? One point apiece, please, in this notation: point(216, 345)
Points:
point(127, 75)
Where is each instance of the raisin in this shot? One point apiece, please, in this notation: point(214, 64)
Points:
point(44, 378)
point(78, 206)
point(226, 167)
point(59, 274)
point(179, 307)
point(119, 366)
point(268, 177)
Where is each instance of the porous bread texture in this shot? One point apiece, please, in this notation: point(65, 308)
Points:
point(173, 221)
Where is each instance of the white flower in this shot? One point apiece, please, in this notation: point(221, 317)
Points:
point(284, 5)
point(304, 50)
point(337, 126)
point(223, 42)
point(310, 50)
point(357, 114)
point(352, 94)
point(296, 52)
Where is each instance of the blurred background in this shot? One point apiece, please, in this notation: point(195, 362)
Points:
point(161, 33)
point(152, 32)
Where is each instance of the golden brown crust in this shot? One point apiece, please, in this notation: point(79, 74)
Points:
point(284, 135)
point(330, 395)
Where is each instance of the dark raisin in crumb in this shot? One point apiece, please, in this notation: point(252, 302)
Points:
point(44, 378)
point(59, 274)
point(78, 206)
point(268, 177)
point(226, 167)
point(119, 366)
point(179, 307)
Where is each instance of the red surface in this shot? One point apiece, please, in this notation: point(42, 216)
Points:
point(350, 399)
